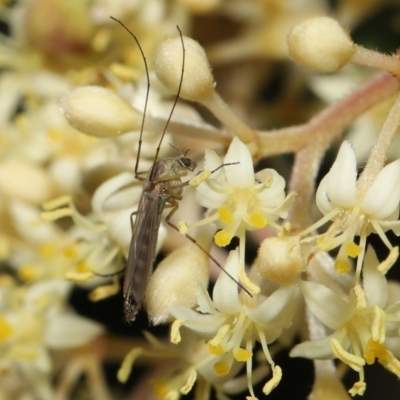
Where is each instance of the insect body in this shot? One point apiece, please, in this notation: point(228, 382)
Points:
point(162, 188)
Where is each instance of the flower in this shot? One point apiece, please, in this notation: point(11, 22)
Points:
point(190, 366)
point(234, 322)
point(354, 211)
point(237, 198)
point(360, 328)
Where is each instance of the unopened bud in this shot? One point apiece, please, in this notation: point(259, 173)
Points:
point(320, 44)
point(198, 82)
point(176, 281)
point(99, 112)
point(280, 260)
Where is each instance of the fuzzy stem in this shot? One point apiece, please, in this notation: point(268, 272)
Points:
point(374, 59)
point(331, 122)
point(378, 155)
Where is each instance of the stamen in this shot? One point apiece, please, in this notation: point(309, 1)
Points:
point(175, 336)
point(126, 366)
point(351, 360)
point(189, 383)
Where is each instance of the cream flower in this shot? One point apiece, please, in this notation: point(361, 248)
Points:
point(234, 322)
point(237, 198)
point(353, 213)
point(190, 367)
point(33, 320)
point(359, 330)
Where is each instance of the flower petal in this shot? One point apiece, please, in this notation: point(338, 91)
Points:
point(69, 330)
point(325, 304)
point(271, 308)
point(316, 349)
point(239, 175)
point(383, 196)
point(339, 185)
point(225, 293)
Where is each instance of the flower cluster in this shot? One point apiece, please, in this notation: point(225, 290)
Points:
point(94, 150)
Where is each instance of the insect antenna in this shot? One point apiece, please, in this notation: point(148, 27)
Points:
point(174, 104)
point(147, 95)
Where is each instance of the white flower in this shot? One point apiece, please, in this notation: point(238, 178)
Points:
point(241, 199)
point(354, 211)
point(360, 323)
point(234, 322)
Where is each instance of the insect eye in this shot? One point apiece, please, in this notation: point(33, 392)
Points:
point(186, 161)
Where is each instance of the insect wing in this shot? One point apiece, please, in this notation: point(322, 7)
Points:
point(141, 253)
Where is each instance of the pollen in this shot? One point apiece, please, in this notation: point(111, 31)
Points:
point(353, 250)
point(342, 266)
point(175, 336)
point(46, 250)
point(257, 220)
point(81, 267)
point(225, 215)
point(70, 252)
point(126, 367)
point(221, 368)
point(222, 238)
point(242, 355)
point(189, 383)
point(6, 329)
point(215, 350)
point(54, 134)
point(28, 272)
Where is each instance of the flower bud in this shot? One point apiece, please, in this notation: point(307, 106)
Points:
point(176, 281)
point(280, 260)
point(198, 82)
point(99, 112)
point(320, 44)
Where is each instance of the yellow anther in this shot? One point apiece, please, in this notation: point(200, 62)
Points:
point(258, 220)
point(225, 215)
point(221, 368)
point(358, 388)
point(242, 355)
point(378, 328)
point(47, 250)
point(28, 272)
point(189, 383)
point(342, 266)
point(79, 277)
point(352, 249)
point(126, 366)
point(70, 252)
point(222, 238)
point(274, 381)
point(175, 335)
point(6, 329)
point(103, 292)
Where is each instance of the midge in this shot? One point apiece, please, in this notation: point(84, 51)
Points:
point(162, 188)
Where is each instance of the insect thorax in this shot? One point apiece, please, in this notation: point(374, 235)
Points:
point(171, 167)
